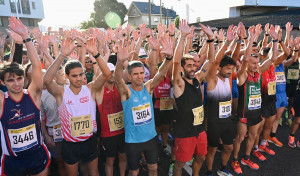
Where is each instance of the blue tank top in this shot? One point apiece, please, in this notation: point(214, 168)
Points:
point(20, 126)
point(280, 79)
point(139, 117)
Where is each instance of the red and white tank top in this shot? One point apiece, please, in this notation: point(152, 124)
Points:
point(162, 94)
point(77, 115)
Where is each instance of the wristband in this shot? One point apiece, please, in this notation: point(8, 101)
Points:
point(296, 50)
point(63, 55)
point(154, 49)
point(267, 34)
point(172, 35)
point(220, 41)
point(210, 41)
point(27, 40)
point(245, 38)
point(94, 63)
point(238, 41)
point(169, 58)
point(275, 40)
point(97, 55)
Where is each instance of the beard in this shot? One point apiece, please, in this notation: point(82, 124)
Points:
point(188, 75)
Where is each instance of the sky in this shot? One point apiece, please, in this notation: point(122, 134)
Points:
point(70, 13)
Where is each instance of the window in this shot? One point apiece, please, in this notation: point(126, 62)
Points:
point(13, 6)
point(155, 19)
point(33, 5)
point(31, 22)
point(1, 1)
point(1, 22)
point(25, 6)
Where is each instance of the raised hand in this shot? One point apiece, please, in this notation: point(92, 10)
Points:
point(136, 34)
point(184, 28)
point(221, 35)
point(258, 29)
point(289, 27)
point(37, 33)
point(91, 46)
point(231, 33)
point(153, 43)
point(267, 28)
point(167, 46)
point(251, 32)
point(191, 35)
point(67, 46)
point(240, 30)
point(16, 37)
point(273, 33)
point(291, 42)
point(244, 32)
point(18, 27)
point(207, 31)
point(53, 39)
point(122, 50)
point(172, 29)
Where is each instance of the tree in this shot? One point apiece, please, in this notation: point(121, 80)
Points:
point(101, 9)
point(176, 22)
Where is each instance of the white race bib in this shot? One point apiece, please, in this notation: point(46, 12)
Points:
point(142, 114)
point(280, 78)
point(254, 102)
point(23, 138)
point(225, 109)
point(293, 74)
point(57, 137)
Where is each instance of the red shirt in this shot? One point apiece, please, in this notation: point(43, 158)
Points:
point(162, 90)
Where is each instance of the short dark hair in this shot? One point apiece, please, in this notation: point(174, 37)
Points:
point(11, 68)
point(134, 64)
point(71, 64)
point(227, 60)
point(113, 59)
point(186, 57)
point(27, 66)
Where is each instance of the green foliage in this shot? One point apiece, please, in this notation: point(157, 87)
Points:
point(176, 22)
point(101, 8)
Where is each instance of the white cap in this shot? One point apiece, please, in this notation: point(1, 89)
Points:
point(111, 66)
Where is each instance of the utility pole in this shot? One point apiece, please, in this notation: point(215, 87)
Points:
point(149, 8)
point(160, 11)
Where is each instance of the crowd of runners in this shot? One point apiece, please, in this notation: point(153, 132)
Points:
point(67, 94)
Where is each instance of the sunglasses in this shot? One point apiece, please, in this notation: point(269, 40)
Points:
point(88, 62)
point(254, 55)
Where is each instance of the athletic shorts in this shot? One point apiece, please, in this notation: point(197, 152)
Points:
point(235, 92)
point(225, 131)
point(281, 100)
point(163, 117)
point(26, 165)
point(250, 121)
point(185, 148)
point(291, 90)
point(297, 103)
point(56, 151)
point(113, 145)
point(268, 109)
point(86, 151)
point(134, 151)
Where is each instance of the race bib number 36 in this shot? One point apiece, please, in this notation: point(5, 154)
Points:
point(198, 115)
point(293, 74)
point(225, 109)
point(116, 121)
point(254, 102)
point(141, 114)
point(81, 125)
point(271, 88)
point(23, 138)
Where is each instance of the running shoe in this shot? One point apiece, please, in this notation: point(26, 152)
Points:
point(298, 144)
point(210, 174)
point(250, 163)
point(289, 122)
point(223, 172)
point(258, 155)
point(159, 139)
point(275, 141)
point(190, 162)
point(236, 167)
point(280, 122)
point(171, 169)
point(292, 142)
point(266, 150)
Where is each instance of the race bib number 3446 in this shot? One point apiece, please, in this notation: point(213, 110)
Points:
point(23, 138)
point(142, 114)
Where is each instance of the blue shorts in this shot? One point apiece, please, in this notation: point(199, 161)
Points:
point(29, 165)
point(235, 92)
point(281, 100)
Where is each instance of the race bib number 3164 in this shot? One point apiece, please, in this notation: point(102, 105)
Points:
point(142, 114)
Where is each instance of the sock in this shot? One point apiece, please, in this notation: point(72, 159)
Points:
point(263, 143)
point(255, 147)
point(209, 172)
point(272, 134)
point(246, 157)
point(222, 167)
point(292, 134)
point(164, 146)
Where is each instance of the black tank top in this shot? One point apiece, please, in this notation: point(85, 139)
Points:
point(189, 100)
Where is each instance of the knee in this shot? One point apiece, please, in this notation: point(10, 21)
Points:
point(297, 120)
point(228, 148)
point(152, 167)
point(109, 162)
point(240, 138)
point(199, 158)
point(133, 172)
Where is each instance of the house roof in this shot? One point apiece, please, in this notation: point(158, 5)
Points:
point(143, 8)
point(276, 18)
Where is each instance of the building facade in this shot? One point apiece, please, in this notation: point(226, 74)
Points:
point(29, 11)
